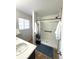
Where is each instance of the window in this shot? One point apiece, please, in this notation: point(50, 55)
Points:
point(23, 24)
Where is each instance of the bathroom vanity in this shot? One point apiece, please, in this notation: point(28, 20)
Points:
point(24, 49)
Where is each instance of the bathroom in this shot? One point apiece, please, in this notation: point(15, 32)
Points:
point(36, 23)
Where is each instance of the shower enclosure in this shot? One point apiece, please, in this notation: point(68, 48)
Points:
point(46, 29)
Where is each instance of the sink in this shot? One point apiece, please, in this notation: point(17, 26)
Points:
point(20, 48)
point(24, 49)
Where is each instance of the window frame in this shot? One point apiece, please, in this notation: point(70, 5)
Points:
point(23, 23)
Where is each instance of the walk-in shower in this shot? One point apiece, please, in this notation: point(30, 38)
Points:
point(46, 28)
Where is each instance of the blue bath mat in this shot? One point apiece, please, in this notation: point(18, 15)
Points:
point(45, 50)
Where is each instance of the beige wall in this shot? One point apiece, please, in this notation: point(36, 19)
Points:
point(25, 34)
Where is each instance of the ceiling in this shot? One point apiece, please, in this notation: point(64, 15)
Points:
point(42, 7)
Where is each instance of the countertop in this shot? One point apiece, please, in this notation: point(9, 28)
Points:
point(28, 52)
